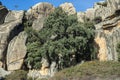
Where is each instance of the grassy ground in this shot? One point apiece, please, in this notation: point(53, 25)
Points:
point(93, 70)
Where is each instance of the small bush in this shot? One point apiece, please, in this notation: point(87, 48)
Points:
point(118, 50)
point(17, 75)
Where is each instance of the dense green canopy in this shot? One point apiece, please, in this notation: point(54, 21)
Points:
point(62, 39)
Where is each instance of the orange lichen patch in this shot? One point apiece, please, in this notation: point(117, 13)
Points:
point(102, 53)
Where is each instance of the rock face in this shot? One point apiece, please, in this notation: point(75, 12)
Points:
point(38, 13)
point(108, 31)
point(68, 8)
point(9, 29)
point(3, 13)
point(16, 52)
point(81, 16)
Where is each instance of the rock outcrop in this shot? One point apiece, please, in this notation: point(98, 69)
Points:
point(38, 13)
point(9, 29)
point(68, 8)
point(107, 15)
point(3, 13)
point(108, 31)
point(16, 52)
point(81, 16)
point(3, 73)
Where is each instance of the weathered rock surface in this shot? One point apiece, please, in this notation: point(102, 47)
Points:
point(103, 9)
point(106, 9)
point(90, 13)
point(68, 8)
point(9, 29)
point(38, 13)
point(3, 73)
point(3, 13)
point(108, 31)
point(40, 9)
point(16, 52)
point(14, 15)
point(81, 16)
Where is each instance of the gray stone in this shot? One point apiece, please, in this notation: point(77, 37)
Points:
point(53, 69)
point(107, 11)
point(34, 74)
point(90, 13)
point(81, 16)
point(68, 8)
point(108, 30)
point(8, 30)
point(39, 9)
point(16, 52)
point(38, 23)
point(3, 73)
point(14, 15)
point(38, 13)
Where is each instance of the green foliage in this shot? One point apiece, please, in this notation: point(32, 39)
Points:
point(118, 50)
point(62, 39)
point(33, 45)
point(17, 75)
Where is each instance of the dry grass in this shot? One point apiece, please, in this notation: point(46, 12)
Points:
point(90, 70)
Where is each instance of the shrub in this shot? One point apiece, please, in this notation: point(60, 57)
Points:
point(62, 39)
point(118, 50)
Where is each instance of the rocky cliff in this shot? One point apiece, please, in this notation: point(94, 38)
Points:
point(106, 14)
point(108, 30)
point(13, 37)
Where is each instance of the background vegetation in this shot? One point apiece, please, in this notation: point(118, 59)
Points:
point(118, 50)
